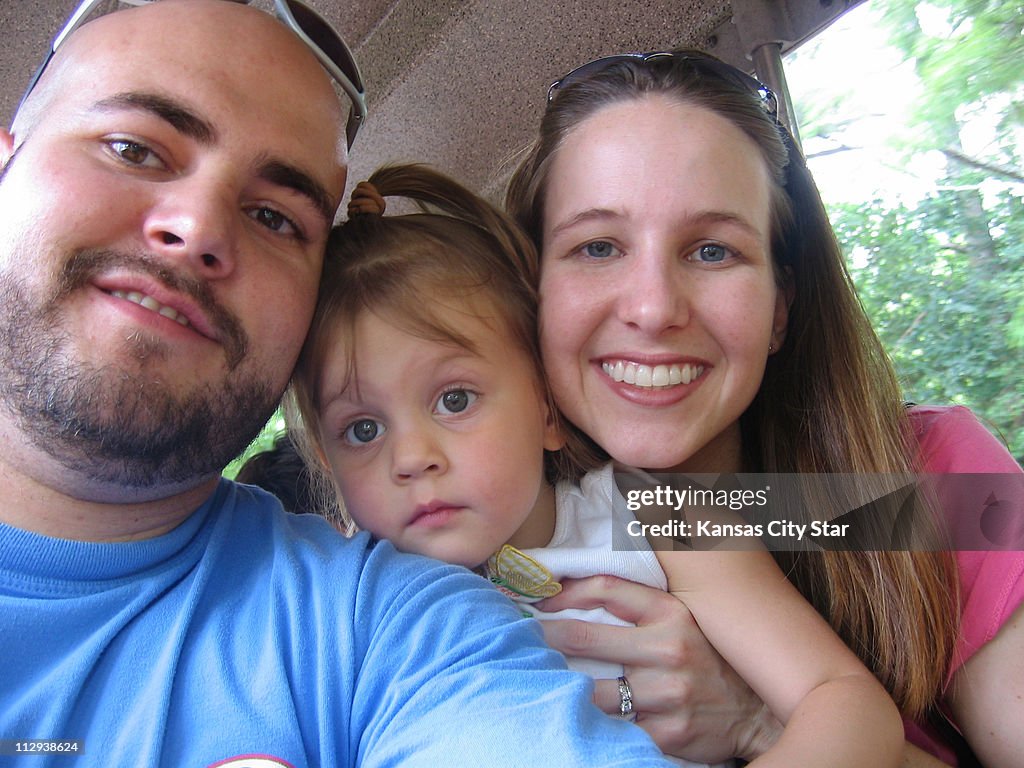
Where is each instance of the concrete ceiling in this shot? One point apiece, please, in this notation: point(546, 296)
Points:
point(461, 84)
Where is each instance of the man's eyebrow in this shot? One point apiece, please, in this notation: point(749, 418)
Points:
point(178, 116)
point(189, 124)
point(288, 176)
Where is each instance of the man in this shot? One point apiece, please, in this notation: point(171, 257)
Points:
point(167, 190)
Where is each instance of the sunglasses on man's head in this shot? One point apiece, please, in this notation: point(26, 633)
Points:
point(314, 31)
point(699, 61)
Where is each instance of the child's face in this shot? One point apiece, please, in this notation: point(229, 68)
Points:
point(437, 448)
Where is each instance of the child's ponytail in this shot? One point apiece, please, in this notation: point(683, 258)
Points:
point(434, 192)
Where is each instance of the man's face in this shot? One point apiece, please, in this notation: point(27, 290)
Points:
point(162, 224)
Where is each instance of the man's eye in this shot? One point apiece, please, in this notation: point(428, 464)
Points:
point(363, 431)
point(455, 401)
point(134, 153)
point(274, 221)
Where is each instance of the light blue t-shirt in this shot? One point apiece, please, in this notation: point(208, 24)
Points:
point(247, 636)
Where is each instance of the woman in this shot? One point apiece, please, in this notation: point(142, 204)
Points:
point(682, 234)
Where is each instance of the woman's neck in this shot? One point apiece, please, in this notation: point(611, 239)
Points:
point(539, 526)
point(723, 454)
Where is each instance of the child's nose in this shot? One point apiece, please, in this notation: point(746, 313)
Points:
point(416, 453)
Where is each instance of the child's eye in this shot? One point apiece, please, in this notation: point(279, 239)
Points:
point(455, 401)
point(363, 431)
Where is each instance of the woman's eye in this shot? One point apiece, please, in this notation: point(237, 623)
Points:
point(274, 221)
point(363, 431)
point(599, 249)
point(134, 153)
point(711, 253)
point(455, 401)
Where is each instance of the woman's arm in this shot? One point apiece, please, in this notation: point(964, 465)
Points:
point(688, 699)
point(987, 699)
point(915, 757)
point(791, 658)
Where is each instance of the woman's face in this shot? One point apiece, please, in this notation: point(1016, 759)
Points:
point(658, 299)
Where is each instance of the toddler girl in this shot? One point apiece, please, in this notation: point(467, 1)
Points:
point(420, 390)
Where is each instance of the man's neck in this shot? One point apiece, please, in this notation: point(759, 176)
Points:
point(37, 494)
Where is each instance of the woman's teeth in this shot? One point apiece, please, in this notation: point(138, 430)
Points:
point(652, 375)
point(152, 304)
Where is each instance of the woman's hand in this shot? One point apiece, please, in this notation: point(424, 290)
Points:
point(687, 698)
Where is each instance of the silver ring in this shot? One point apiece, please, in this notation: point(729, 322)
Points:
point(625, 697)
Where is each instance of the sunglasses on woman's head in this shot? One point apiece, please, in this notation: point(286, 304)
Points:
point(698, 61)
point(312, 29)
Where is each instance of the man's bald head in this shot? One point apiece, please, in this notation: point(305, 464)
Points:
point(189, 40)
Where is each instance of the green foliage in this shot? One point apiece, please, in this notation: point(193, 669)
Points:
point(264, 441)
point(954, 331)
point(973, 65)
point(943, 277)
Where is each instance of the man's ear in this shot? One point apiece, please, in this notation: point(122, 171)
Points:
point(6, 147)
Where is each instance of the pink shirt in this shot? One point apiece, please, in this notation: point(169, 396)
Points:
point(953, 441)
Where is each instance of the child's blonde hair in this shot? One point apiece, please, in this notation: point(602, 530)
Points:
point(459, 248)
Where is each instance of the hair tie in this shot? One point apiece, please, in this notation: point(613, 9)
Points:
point(366, 200)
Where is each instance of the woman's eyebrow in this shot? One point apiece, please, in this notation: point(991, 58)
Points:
point(589, 214)
point(732, 219)
point(698, 218)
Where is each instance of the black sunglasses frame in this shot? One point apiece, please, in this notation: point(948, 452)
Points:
point(769, 101)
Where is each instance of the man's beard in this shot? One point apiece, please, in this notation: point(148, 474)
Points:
point(114, 424)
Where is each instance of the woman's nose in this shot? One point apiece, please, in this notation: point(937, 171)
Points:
point(653, 298)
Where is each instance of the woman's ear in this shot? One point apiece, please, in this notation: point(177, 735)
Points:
point(554, 437)
point(783, 301)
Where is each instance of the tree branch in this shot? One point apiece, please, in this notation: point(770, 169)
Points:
point(1010, 173)
point(832, 151)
